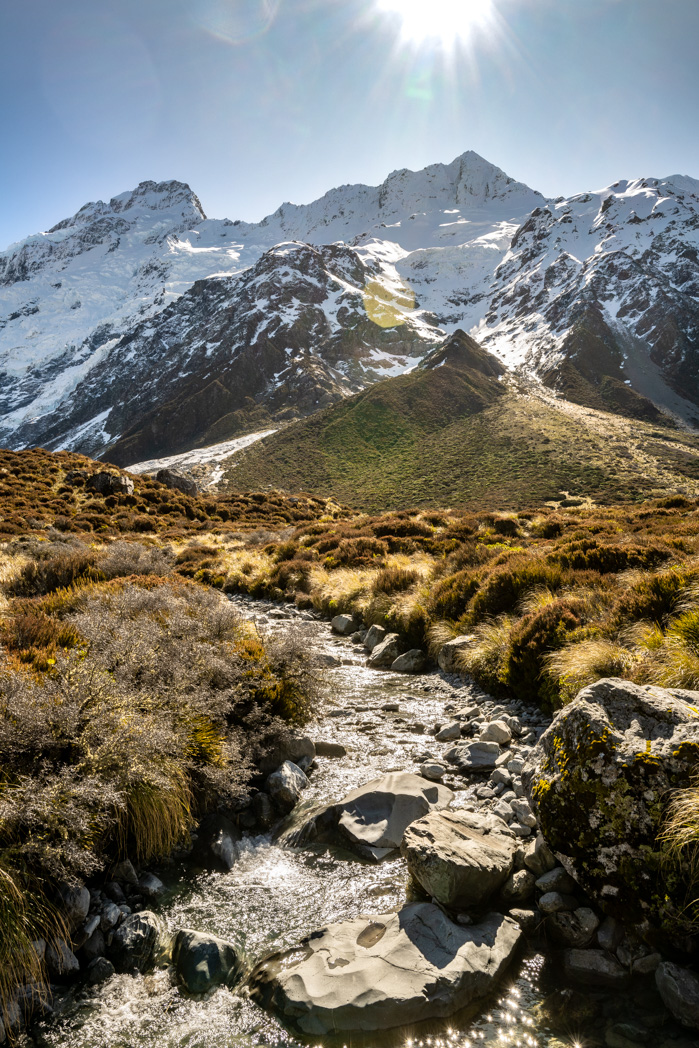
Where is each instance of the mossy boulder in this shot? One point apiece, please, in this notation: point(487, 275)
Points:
point(600, 780)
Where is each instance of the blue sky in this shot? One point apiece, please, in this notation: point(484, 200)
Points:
point(254, 102)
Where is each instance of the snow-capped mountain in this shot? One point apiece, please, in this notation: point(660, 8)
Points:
point(141, 327)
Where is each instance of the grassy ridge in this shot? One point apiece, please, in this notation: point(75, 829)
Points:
point(452, 435)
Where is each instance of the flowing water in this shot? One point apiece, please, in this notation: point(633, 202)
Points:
point(274, 896)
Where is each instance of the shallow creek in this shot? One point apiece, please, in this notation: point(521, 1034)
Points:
point(274, 896)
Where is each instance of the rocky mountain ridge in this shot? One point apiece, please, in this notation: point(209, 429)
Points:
point(140, 327)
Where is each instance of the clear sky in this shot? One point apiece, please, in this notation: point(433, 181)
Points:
point(254, 102)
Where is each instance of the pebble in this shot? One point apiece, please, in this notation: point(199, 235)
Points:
point(432, 771)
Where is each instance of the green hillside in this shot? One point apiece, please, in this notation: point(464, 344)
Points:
point(458, 431)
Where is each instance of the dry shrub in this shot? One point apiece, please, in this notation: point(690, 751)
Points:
point(394, 579)
point(577, 665)
point(484, 659)
point(532, 639)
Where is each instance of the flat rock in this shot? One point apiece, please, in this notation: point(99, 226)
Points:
point(374, 817)
point(384, 972)
point(595, 969)
point(457, 857)
point(329, 749)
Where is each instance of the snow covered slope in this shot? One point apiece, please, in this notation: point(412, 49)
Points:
point(139, 327)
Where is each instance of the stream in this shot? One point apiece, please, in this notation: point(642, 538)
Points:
point(274, 896)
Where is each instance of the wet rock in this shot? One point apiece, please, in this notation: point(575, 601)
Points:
point(288, 747)
point(449, 651)
point(329, 749)
point(375, 635)
point(98, 971)
point(263, 810)
point(569, 1009)
point(115, 892)
point(140, 943)
point(345, 625)
point(202, 961)
point(151, 887)
point(286, 785)
point(60, 960)
point(457, 857)
point(172, 479)
point(573, 928)
point(94, 947)
point(216, 844)
point(392, 970)
point(600, 775)
point(385, 654)
point(413, 661)
point(109, 916)
point(595, 969)
point(679, 990)
point(474, 756)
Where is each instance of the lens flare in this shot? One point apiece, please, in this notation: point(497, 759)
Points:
point(445, 21)
point(387, 307)
point(235, 21)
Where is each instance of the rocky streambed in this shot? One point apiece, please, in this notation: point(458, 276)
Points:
point(342, 938)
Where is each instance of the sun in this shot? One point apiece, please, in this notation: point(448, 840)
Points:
point(445, 21)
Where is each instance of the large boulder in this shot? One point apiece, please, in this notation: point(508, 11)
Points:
point(458, 857)
point(202, 961)
point(372, 819)
point(379, 973)
point(375, 634)
point(171, 479)
point(345, 625)
point(140, 943)
point(385, 653)
point(413, 661)
point(600, 780)
point(104, 483)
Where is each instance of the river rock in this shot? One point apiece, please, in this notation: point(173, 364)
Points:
point(286, 785)
point(574, 928)
point(289, 746)
point(374, 817)
point(413, 661)
point(679, 989)
point(124, 873)
point(556, 880)
point(109, 916)
point(94, 947)
point(140, 943)
point(345, 625)
point(457, 857)
point(151, 886)
point(385, 654)
point(329, 749)
point(599, 782)
point(495, 731)
point(446, 659)
point(216, 844)
point(75, 903)
point(383, 972)
point(474, 756)
point(449, 732)
point(374, 636)
point(433, 771)
point(518, 888)
point(60, 959)
point(595, 969)
point(202, 961)
point(538, 857)
point(98, 971)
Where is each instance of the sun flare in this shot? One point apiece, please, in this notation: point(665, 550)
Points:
point(444, 20)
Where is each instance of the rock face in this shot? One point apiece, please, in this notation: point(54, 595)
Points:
point(379, 973)
point(139, 943)
point(374, 817)
point(202, 961)
point(459, 858)
point(600, 781)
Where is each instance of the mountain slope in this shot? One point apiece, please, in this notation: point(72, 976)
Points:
point(460, 430)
